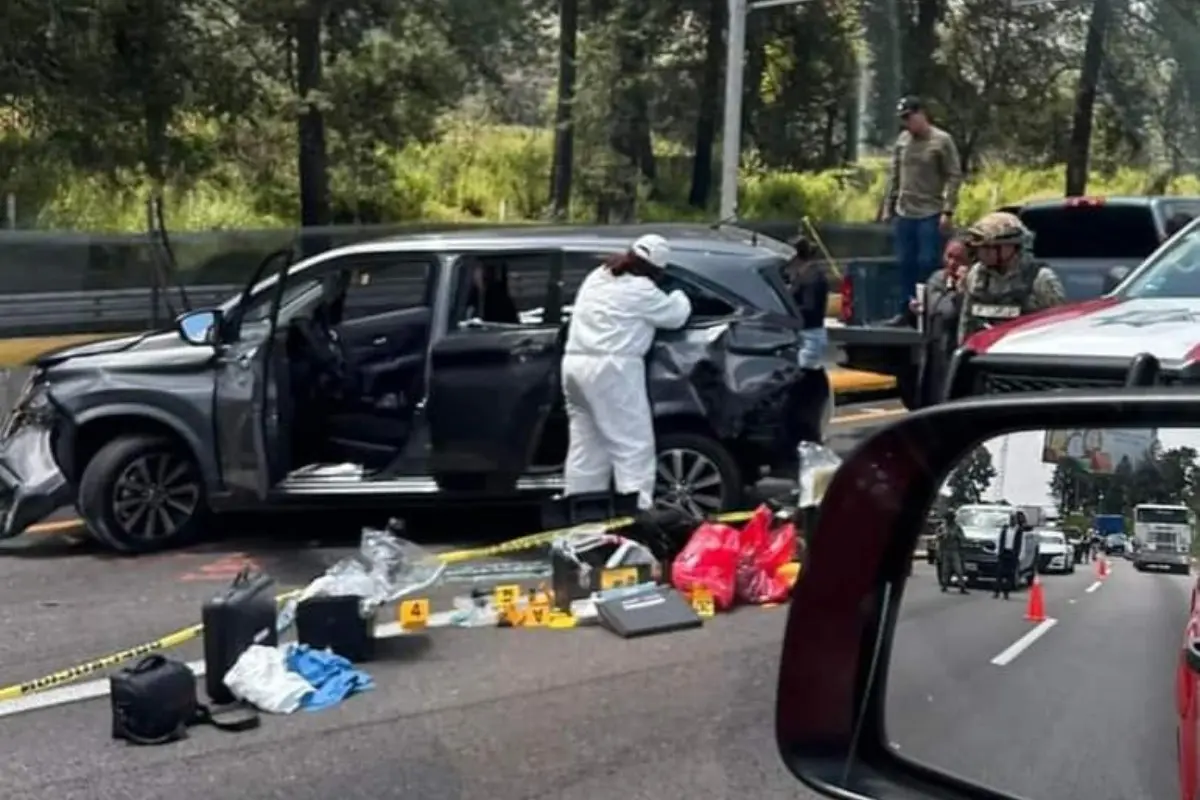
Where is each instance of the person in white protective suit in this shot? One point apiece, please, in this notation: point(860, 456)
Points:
point(613, 320)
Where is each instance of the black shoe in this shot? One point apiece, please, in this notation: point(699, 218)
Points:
point(996, 596)
point(944, 588)
point(963, 591)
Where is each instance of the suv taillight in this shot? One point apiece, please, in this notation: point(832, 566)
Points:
point(846, 291)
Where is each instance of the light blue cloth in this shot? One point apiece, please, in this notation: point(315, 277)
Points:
point(813, 343)
point(332, 677)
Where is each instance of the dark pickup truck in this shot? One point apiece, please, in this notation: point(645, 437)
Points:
point(1091, 242)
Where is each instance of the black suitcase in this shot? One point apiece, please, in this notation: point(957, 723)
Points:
point(564, 511)
point(244, 614)
point(336, 623)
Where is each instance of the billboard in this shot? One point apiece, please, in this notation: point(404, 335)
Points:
point(1098, 451)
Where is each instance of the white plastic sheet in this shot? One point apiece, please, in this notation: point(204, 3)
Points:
point(817, 467)
point(261, 678)
point(386, 568)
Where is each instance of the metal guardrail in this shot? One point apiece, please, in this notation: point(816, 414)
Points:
point(127, 310)
point(55, 283)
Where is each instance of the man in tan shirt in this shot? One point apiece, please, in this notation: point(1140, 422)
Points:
point(922, 191)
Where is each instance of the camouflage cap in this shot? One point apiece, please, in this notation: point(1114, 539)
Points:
point(999, 227)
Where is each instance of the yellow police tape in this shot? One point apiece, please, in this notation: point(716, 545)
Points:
point(531, 542)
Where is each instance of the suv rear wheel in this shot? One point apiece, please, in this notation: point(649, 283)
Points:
point(696, 473)
point(141, 494)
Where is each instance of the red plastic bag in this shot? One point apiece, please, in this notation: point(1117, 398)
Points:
point(764, 548)
point(709, 560)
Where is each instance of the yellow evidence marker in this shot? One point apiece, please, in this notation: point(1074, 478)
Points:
point(618, 577)
point(506, 596)
point(702, 602)
point(561, 620)
point(414, 614)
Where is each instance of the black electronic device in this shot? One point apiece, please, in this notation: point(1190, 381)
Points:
point(659, 609)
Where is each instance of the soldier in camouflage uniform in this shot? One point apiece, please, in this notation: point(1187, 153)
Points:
point(949, 553)
point(1005, 282)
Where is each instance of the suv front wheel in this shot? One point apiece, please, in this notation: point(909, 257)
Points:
point(697, 474)
point(141, 494)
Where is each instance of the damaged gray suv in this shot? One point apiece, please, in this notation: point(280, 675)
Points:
point(406, 370)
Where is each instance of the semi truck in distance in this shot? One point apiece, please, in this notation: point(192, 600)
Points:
point(1164, 535)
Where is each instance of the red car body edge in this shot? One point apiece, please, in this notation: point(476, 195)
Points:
point(984, 340)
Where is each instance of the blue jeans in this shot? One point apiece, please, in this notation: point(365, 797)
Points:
point(918, 252)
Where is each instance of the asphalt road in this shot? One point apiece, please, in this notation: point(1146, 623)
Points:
point(1085, 711)
point(457, 713)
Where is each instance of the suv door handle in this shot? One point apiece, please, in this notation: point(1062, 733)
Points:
point(529, 347)
point(245, 360)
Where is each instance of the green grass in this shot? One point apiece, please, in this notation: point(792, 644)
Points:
point(487, 173)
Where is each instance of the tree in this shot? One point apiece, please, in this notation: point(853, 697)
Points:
point(971, 478)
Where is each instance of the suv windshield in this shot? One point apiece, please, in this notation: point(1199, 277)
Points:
point(1175, 272)
point(982, 518)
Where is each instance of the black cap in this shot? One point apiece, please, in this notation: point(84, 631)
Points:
point(908, 105)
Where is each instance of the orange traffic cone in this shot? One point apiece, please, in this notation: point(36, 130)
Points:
point(1035, 610)
point(1102, 567)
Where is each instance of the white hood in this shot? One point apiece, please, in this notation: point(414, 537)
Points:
point(1166, 327)
point(1051, 549)
point(982, 534)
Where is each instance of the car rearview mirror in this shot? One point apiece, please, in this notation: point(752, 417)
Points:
point(199, 327)
point(909, 676)
point(1114, 277)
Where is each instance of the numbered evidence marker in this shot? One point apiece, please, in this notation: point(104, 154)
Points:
point(506, 596)
point(702, 602)
point(414, 614)
point(618, 577)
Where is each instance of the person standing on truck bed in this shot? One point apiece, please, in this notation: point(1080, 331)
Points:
point(1006, 282)
point(922, 192)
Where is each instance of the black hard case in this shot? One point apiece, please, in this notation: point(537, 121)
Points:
point(336, 623)
point(242, 615)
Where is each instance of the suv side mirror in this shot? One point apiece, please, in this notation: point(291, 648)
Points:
point(1114, 277)
point(1191, 654)
point(199, 327)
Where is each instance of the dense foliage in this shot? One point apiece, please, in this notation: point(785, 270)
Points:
point(267, 112)
point(1167, 475)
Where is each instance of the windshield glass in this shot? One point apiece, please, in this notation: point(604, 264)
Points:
point(1163, 516)
point(982, 518)
point(1112, 230)
point(1175, 272)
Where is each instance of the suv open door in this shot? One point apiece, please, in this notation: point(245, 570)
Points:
point(492, 386)
point(251, 395)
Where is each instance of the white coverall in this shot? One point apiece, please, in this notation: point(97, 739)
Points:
point(613, 320)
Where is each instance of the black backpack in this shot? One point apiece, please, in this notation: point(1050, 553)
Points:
point(155, 702)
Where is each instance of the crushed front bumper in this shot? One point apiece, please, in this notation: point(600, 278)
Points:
point(31, 485)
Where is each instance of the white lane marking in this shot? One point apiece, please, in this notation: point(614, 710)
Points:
point(78, 692)
point(1094, 587)
point(1023, 644)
